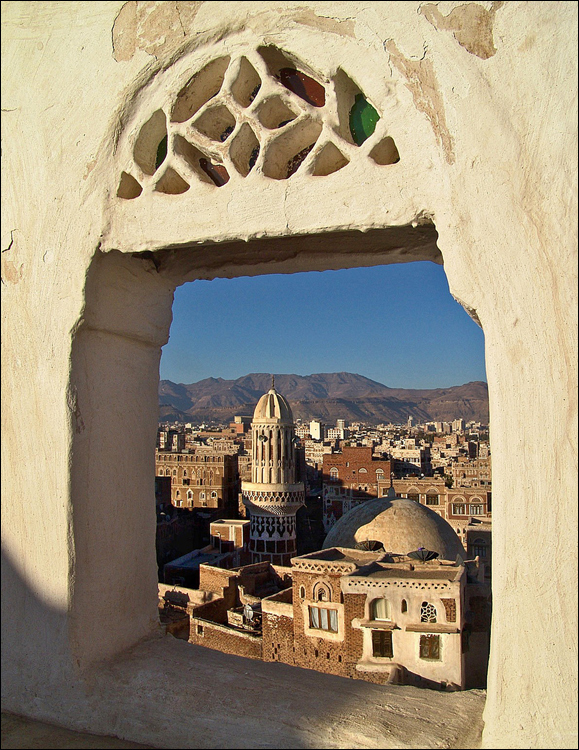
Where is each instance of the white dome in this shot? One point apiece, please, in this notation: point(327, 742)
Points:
point(273, 407)
point(401, 525)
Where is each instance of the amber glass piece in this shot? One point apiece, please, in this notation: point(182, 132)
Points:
point(305, 87)
point(216, 172)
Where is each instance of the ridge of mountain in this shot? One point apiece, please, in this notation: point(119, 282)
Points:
point(325, 396)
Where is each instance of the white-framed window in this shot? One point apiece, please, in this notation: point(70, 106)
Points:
point(380, 609)
point(333, 475)
point(323, 619)
point(475, 510)
point(459, 509)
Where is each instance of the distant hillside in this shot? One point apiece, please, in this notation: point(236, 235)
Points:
point(325, 396)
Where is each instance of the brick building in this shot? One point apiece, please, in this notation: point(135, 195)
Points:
point(200, 478)
point(349, 478)
point(394, 612)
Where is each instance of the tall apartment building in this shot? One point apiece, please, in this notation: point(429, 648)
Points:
point(201, 478)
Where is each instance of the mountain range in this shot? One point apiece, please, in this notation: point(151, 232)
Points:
point(324, 396)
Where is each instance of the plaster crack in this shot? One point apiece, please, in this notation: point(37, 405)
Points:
point(5, 250)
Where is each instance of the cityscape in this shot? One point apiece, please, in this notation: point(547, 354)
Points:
point(353, 548)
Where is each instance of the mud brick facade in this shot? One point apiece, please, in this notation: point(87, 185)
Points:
point(353, 613)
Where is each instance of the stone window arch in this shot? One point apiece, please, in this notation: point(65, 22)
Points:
point(322, 592)
point(142, 268)
point(334, 474)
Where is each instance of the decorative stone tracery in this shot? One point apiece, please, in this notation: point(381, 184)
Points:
point(263, 112)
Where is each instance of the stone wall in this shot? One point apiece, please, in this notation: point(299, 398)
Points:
point(221, 638)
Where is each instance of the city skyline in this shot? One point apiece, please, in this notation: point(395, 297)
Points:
point(398, 325)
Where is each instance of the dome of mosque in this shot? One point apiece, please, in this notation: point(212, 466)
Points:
point(272, 406)
point(401, 525)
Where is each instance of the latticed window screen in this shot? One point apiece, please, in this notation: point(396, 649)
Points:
point(430, 646)
point(382, 643)
point(380, 609)
point(324, 619)
point(427, 612)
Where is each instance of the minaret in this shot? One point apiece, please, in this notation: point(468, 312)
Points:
point(273, 496)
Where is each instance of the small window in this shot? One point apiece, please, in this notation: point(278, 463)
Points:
point(427, 612)
point(322, 593)
point(404, 606)
point(380, 609)
point(459, 509)
point(432, 499)
point(382, 643)
point(430, 647)
point(413, 496)
point(475, 510)
point(302, 592)
point(333, 475)
point(362, 471)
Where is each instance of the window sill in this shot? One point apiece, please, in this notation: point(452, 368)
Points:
point(432, 627)
point(379, 624)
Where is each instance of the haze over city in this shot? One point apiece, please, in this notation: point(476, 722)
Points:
point(397, 324)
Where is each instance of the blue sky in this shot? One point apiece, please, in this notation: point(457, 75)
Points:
point(396, 324)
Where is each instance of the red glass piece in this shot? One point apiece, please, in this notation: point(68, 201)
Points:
point(305, 87)
point(216, 172)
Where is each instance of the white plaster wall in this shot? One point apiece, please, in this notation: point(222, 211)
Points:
point(488, 150)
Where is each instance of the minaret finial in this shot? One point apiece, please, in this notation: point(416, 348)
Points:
point(273, 382)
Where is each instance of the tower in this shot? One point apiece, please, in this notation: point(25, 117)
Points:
point(273, 496)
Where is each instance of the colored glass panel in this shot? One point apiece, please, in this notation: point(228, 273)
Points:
point(161, 152)
point(303, 86)
point(363, 119)
point(216, 172)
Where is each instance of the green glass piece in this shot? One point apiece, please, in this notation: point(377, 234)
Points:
point(161, 152)
point(363, 119)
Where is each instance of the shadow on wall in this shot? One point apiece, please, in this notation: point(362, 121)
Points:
point(146, 694)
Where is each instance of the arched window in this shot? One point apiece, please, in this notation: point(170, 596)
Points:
point(333, 475)
point(214, 494)
point(190, 495)
point(427, 612)
point(322, 592)
point(362, 471)
point(302, 592)
point(380, 609)
point(404, 606)
point(184, 472)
